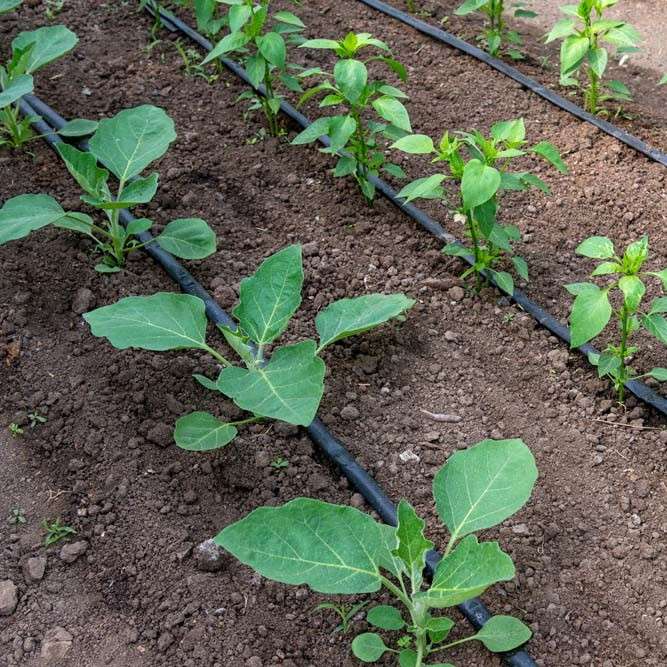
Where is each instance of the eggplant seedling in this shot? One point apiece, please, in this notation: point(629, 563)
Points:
point(339, 550)
point(260, 40)
point(496, 32)
point(288, 386)
point(592, 308)
point(349, 87)
point(583, 56)
point(30, 52)
point(481, 179)
point(126, 144)
point(7, 6)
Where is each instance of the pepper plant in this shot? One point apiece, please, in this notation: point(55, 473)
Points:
point(351, 133)
point(592, 308)
point(289, 385)
point(30, 52)
point(126, 144)
point(337, 549)
point(496, 32)
point(259, 40)
point(582, 54)
point(481, 178)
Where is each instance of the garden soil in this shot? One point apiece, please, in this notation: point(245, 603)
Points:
point(129, 589)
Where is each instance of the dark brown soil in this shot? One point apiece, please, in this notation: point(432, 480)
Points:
point(591, 545)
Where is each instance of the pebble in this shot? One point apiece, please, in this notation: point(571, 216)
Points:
point(8, 597)
point(55, 645)
point(255, 661)
point(357, 500)
point(160, 435)
point(451, 337)
point(209, 557)
point(83, 301)
point(33, 569)
point(456, 293)
point(165, 640)
point(70, 552)
point(349, 412)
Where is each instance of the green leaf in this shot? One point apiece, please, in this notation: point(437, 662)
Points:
point(16, 89)
point(289, 19)
point(412, 545)
point(607, 268)
point(633, 291)
point(415, 144)
point(202, 432)
point(572, 53)
point(320, 44)
point(369, 647)
point(596, 247)
point(288, 388)
point(188, 238)
point(562, 28)
point(132, 139)
point(49, 43)
point(550, 153)
point(503, 633)
point(83, 167)
point(162, 321)
point(423, 188)
point(590, 314)
point(577, 288)
point(509, 130)
point(656, 325)
point(662, 276)
point(272, 47)
point(385, 617)
point(138, 225)
point(393, 111)
point(238, 16)
point(330, 548)
point(467, 572)
point(659, 305)
point(660, 374)
point(520, 266)
point(9, 5)
point(469, 6)
point(318, 128)
point(481, 486)
point(341, 128)
point(23, 214)
point(231, 42)
point(351, 77)
point(597, 58)
point(608, 364)
point(439, 627)
point(269, 298)
point(349, 317)
point(345, 166)
point(479, 184)
point(503, 280)
point(624, 35)
point(76, 222)
point(255, 67)
point(79, 127)
point(139, 191)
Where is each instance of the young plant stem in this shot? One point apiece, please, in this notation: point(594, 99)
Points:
point(474, 237)
point(217, 356)
point(271, 117)
point(362, 157)
point(623, 352)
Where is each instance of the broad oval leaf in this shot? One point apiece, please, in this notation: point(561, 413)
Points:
point(596, 247)
point(393, 111)
point(318, 128)
point(330, 548)
point(289, 387)
point(132, 139)
point(509, 130)
point(78, 127)
point(83, 167)
point(369, 647)
point(23, 214)
point(385, 617)
point(550, 153)
point(503, 633)
point(9, 5)
point(139, 191)
point(351, 77)
point(469, 6)
point(272, 47)
point(349, 317)
point(230, 42)
point(633, 291)
point(269, 298)
point(49, 43)
point(573, 50)
point(202, 432)
point(412, 545)
point(467, 572)
point(415, 144)
point(656, 325)
point(162, 321)
point(562, 28)
point(590, 314)
point(479, 184)
point(481, 486)
point(188, 238)
point(423, 188)
point(16, 89)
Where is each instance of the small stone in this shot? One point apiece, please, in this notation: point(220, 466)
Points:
point(165, 640)
point(357, 500)
point(310, 249)
point(33, 569)
point(160, 435)
point(349, 412)
point(408, 456)
point(255, 661)
point(55, 645)
point(208, 556)
point(70, 552)
point(83, 301)
point(318, 482)
point(451, 337)
point(521, 529)
point(456, 293)
point(8, 597)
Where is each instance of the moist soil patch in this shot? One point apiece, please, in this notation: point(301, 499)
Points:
point(590, 545)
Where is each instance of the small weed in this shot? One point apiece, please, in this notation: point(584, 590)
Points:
point(279, 462)
point(56, 531)
point(53, 8)
point(15, 430)
point(16, 516)
point(35, 418)
point(346, 613)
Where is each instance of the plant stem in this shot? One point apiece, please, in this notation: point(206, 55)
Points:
point(623, 352)
point(268, 111)
point(217, 356)
point(474, 237)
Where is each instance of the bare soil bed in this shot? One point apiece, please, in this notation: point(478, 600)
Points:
point(590, 547)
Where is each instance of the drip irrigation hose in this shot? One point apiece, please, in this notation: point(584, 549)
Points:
point(513, 73)
point(638, 388)
point(474, 609)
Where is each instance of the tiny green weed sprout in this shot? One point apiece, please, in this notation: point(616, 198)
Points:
point(260, 41)
point(30, 52)
point(289, 385)
point(340, 550)
point(53, 8)
point(481, 178)
point(496, 32)
point(56, 531)
point(192, 64)
point(349, 87)
point(7, 6)
point(345, 612)
point(15, 430)
point(35, 418)
point(16, 516)
point(279, 463)
point(582, 54)
point(663, 80)
point(126, 144)
point(592, 308)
